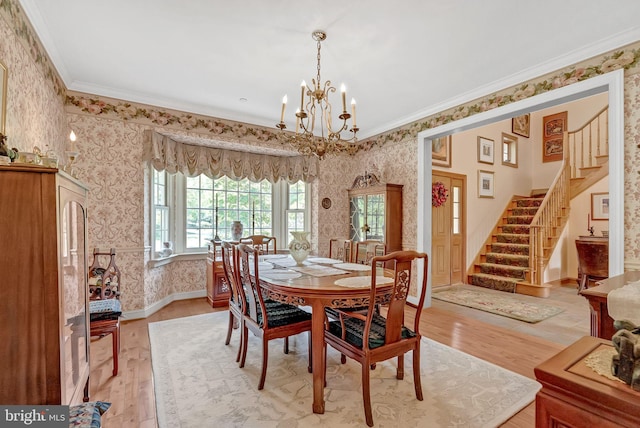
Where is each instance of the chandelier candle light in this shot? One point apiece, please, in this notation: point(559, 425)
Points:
point(329, 140)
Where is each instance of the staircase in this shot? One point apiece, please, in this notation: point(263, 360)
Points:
point(504, 262)
point(516, 253)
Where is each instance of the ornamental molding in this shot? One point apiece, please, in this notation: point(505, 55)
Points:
point(626, 57)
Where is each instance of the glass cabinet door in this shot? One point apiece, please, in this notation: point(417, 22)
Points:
point(73, 262)
point(375, 217)
point(357, 212)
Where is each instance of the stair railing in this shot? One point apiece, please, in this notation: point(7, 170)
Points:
point(551, 215)
point(589, 142)
point(581, 149)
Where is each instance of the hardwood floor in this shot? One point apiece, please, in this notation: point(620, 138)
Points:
point(132, 396)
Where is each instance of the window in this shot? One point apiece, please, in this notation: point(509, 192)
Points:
point(203, 208)
point(509, 150)
point(213, 205)
point(160, 210)
point(297, 204)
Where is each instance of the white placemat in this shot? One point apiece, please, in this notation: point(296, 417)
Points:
point(265, 266)
point(324, 260)
point(362, 281)
point(318, 270)
point(273, 256)
point(281, 275)
point(353, 266)
point(288, 262)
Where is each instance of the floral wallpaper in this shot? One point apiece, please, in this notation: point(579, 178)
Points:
point(41, 112)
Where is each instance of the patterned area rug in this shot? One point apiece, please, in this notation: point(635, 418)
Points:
point(499, 303)
point(198, 383)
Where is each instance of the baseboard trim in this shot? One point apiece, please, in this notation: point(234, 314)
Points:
point(155, 307)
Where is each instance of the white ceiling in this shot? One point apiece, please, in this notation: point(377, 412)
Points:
point(400, 60)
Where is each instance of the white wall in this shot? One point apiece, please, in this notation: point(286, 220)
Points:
point(579, 113)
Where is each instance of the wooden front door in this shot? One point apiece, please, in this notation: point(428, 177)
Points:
point(448, 232)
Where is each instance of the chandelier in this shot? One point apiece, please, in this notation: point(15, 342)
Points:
point(317, 111)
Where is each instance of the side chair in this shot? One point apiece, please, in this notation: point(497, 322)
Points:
point(266, 318)
point(265, 244)
point(386, 336)
point(340, 249)
point(236, 303)
point(365, 250)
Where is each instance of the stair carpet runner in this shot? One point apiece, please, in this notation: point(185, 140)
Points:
point(507, 262)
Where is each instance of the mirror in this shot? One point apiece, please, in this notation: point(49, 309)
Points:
point(3, 96)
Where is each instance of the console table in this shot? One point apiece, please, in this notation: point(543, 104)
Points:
point(601, 322)
point(573, 395)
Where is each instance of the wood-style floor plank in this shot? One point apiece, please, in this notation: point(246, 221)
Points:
point(132, 396)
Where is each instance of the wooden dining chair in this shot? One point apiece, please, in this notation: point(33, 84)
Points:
point(366, 250)
point(386, 336)
point(229, 264)
point(266, 318)
point(340, 249)
point(265, 244)
point(104, 301)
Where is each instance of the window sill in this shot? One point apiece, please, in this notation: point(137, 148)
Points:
point(154, 263)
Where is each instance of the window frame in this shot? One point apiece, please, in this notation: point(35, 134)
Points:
point(177, 201)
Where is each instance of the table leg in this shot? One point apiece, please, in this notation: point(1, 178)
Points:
point(317, 339)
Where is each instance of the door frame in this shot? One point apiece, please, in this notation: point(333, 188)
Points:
point(463, 214)
point(612, 83)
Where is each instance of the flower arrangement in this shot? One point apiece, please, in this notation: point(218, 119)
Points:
point(439, 194)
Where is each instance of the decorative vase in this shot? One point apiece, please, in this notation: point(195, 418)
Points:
point(236, 230)
point(299, 247)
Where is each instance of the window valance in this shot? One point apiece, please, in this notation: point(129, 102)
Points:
point(166, 154)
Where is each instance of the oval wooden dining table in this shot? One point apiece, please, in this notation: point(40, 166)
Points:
point(319, 292)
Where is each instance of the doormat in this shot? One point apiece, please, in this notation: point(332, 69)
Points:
point(499, 303)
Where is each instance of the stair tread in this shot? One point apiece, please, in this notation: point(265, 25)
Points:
point(507, 255)
point(512, 267)
point(496, 277)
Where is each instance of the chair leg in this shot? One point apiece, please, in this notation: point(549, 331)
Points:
point(230, 329)
point(343, 359)
point(310, 366)
point(583, 283)
point(265, 358)
point(400, 371)
point(245, 338)
point(116, 349)
point(416, 372)
point(241, 343)
point(366, 393)
point(286, 345)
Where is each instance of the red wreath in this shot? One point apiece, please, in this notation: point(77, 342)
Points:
point(439, 194)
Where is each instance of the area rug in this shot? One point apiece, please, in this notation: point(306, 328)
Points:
point(198, 383)
point(499, 303)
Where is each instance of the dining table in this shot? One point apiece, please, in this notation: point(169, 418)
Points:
point(320, 283)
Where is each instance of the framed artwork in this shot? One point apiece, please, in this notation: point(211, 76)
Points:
point(485, 184)
point(553, 127)
point(485, 150)
point(441, 151)
point(520, 125)
point(600, 206)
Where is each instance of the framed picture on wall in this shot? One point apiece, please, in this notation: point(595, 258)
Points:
point(441, 151)
point(485, 150)
point(520, 125)
point(553, 127)
point(485, 184)
point(600, 206)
